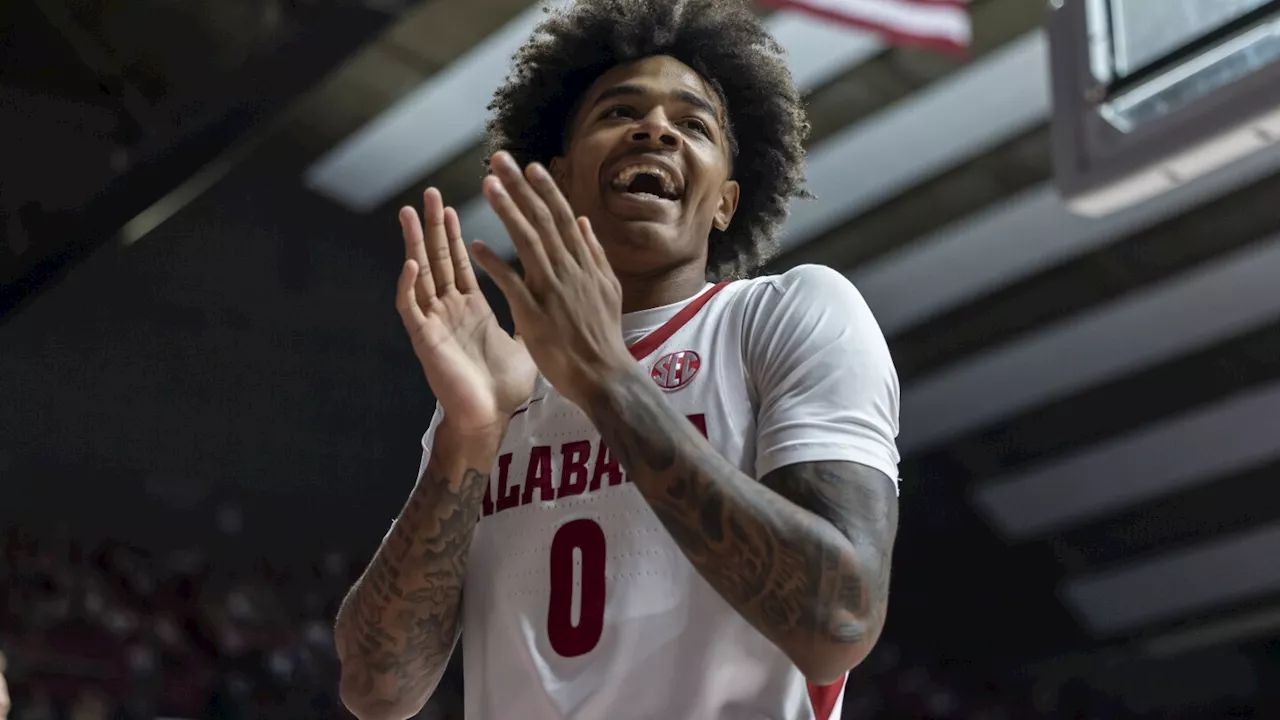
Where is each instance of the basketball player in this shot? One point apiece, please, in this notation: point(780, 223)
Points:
point(664, 498)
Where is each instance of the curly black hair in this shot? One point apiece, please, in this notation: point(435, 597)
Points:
point(725, 43)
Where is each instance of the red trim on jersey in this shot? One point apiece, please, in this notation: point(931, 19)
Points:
point(651, 342)
point(824, 698)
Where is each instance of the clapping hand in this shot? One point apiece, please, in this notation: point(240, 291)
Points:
point(568, 304)
point(478, 372)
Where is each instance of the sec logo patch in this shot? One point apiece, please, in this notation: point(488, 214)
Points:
point(675, 370)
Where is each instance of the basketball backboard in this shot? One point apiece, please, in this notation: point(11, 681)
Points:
point(1150, 94)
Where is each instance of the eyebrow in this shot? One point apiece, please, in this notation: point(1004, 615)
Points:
point(684, 96)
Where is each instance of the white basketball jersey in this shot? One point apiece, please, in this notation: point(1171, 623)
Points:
point(577, 603)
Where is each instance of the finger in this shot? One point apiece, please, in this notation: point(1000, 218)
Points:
point(464, 274)
point(531, 206)
point(411, 228)
point(411, 231)
point(597, 253)
point(437, 241)
point(505, 277)
point(529, 247)
point(594, 248)
point(561, 214)
point(406, 303)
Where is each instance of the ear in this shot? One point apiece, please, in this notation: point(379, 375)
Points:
point(559, 170)
point(729, 193)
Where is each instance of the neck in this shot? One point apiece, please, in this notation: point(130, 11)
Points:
point(669, 286)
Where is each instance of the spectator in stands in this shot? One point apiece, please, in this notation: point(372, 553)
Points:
point(37, 705)
point(90, 705)
point(4, 690)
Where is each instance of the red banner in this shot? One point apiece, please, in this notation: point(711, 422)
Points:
point(937, 24)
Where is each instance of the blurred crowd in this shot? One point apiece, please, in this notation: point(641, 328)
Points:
point(104, 631)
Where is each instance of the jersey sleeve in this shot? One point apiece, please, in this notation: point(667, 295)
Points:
point(825, 384)
point(429, 438)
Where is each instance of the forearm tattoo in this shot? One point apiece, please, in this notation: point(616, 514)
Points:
point(803, 555)
point(399, 623)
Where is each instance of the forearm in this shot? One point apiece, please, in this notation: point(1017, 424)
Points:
point(398, 625)
point(790, 573)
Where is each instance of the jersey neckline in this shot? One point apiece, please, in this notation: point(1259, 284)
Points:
point(654, 340)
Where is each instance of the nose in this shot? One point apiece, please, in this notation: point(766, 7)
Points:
point(655, 131)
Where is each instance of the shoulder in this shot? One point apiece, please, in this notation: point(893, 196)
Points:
point(823, 372)
point(810, 278)
point(813, 298)
point(816, 285)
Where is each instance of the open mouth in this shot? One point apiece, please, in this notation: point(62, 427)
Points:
point(647, 182)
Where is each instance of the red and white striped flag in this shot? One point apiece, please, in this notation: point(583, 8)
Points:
point(938, 24)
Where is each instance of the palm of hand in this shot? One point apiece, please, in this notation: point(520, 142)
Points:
point(474, 367)
point(478, 372)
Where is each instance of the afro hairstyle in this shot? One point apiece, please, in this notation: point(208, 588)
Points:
point(725, 43)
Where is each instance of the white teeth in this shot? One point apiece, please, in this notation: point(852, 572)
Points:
point(623, 179)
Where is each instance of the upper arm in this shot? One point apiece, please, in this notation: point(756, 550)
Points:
point(824, 381)
point(826, 424)
point(859, 501)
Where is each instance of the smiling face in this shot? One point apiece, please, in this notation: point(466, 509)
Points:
point(648, 162)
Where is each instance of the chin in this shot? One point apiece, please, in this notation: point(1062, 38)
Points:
point(654, 239)
point(644, 254)
point(657, 237)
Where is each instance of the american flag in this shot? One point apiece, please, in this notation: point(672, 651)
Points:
point(937, 24)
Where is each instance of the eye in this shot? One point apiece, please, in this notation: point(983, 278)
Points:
point(696, 125)
point(618, 111)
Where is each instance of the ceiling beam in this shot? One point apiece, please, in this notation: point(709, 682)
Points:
point(1146, 464)
point(1210, 303)
point(59, 242)
point(1179, 583)
point(1017, 238)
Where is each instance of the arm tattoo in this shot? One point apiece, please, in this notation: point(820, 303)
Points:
point(803, 554)
point(399, 623)
point(862, 504)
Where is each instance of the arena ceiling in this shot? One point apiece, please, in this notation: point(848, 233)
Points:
point(1089, 406)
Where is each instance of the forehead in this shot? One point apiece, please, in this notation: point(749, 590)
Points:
point(662, 75)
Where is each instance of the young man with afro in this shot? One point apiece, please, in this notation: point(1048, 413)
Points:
point(672, 494)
